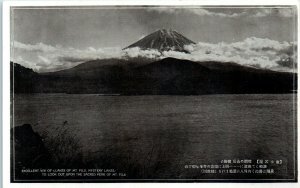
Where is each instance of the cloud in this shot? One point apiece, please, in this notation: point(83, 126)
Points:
point(255, 52)
point(248, 12)
point(39, 47)
point(197, 11)
point(45, 58)
point(169, 10)
point(282, 12)
point(202, 12)
point(137, 52)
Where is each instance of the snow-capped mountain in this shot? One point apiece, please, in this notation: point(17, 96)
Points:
point(163, 40)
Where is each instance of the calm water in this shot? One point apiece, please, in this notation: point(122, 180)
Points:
point(164, 133)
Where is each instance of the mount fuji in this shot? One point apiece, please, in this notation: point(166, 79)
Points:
point(163, 40)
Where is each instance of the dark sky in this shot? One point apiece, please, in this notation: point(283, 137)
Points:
point(118, 27)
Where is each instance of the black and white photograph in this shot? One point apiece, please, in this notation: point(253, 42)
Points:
point(153, 93)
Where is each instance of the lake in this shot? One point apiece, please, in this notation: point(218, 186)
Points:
point(157, 136)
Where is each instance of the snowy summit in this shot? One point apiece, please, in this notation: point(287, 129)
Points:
point(163, 40)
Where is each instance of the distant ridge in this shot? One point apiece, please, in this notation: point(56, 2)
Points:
point(163, 40)
point(167, 76)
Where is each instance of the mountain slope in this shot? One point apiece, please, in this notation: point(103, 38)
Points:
point(163, 40)
point(23, 80)
point(184, 77)
point(164, 77)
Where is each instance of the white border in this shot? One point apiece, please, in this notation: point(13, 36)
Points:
point(6, 85)
point(149, 2)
